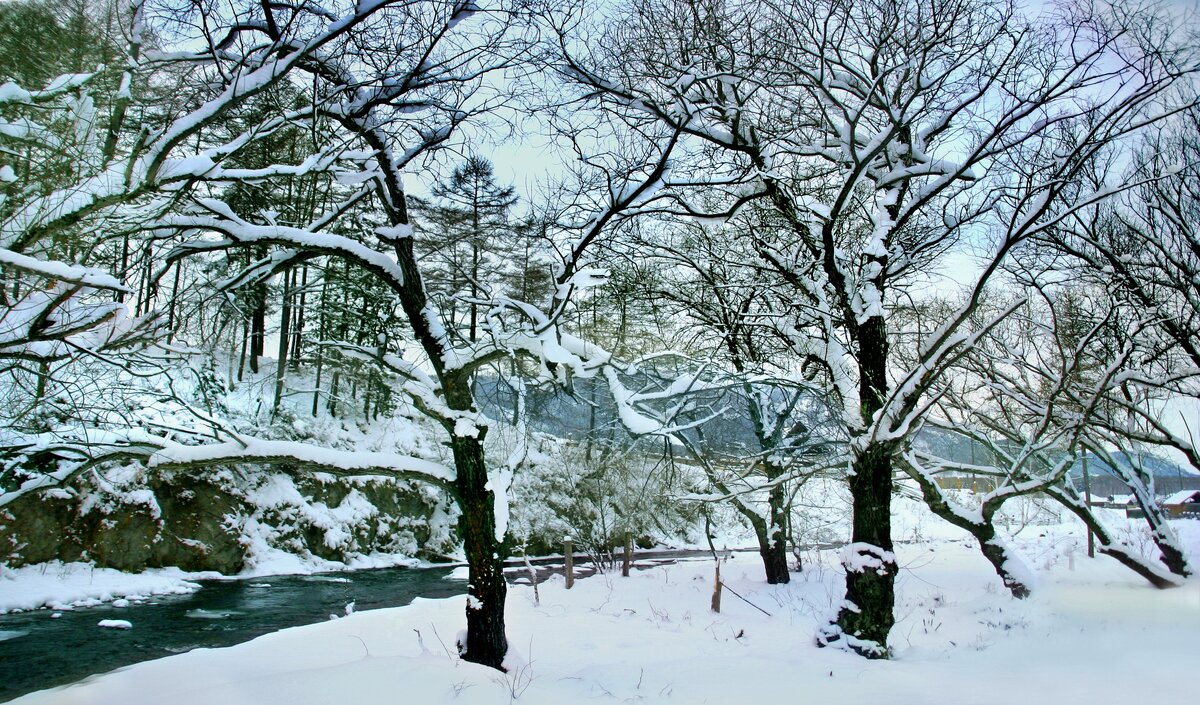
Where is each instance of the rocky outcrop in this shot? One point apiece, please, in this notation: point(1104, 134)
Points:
point(221, 521)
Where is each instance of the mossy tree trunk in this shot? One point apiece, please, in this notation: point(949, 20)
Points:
point(486, 641)
point(866, 616)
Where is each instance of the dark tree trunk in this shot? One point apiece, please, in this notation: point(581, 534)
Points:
point(296, 346)
point(772, 543)
point(474, 282)
point(1156, 519)
point(242, 355)
point(123, 267)
point(284, 339)
point(486, 641)
point(173, 304)
point(998, 556)
point(867, 616)
point(258, 326)
point(1172, 557)
point(322, 327)
point(773, 550)
point(772, 539)
point(258, 318)
point(772, 533)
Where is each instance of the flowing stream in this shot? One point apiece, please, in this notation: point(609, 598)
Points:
point(40, 651)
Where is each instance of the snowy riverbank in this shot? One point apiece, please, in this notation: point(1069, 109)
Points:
point(58, 585)
point(1092, 633)
point(70, 585)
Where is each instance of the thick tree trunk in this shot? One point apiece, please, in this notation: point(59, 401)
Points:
point(997, 554)
point(1160, 531)
point(772, 544)
point(867, 616)
point(1172, 557)
point(775, 559)
point(486, 642)
point(770, 532)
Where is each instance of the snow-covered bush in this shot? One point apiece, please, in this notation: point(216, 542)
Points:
point(596, 495)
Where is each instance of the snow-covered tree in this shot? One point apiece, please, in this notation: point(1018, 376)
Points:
point(468, 227)
point(871, 139)
point(1144, 251)
point(56, 295)
point(382, 85)
point(1026, 399)
point(725, 318)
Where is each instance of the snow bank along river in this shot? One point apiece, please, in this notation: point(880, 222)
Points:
point(45, 648)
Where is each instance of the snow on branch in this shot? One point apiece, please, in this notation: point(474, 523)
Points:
point(241, 232)
point(60, 271)
point(304, 456)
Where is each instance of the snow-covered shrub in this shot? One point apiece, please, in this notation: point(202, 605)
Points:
point(595, 495)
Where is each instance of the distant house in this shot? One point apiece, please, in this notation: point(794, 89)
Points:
point(1184, 503)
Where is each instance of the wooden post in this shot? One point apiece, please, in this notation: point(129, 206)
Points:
point(568, 562)
point(1087, 499)
point(537, 599)
point(628, 555)
point(716, 597)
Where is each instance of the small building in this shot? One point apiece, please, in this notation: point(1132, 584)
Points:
point(1184, 503)
point(1117, 501)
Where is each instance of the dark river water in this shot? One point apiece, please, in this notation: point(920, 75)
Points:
point(43, 652)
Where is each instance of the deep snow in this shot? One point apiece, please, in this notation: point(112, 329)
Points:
point(70, 585)
point(1092, 633)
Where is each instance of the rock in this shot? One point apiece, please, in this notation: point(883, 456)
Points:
point(207, 522)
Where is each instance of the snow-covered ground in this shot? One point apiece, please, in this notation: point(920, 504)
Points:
point(70, 585)
point(59, 585)
point(1092, 633)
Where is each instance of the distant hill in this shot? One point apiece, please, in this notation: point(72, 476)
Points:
point(1104, 479)
point(1157, 467)
point(591, 410)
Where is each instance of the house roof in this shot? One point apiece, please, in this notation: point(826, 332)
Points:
point(1183, 497)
